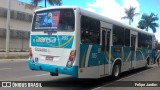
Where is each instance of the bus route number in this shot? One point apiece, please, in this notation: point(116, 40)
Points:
point(65, 38)
point(94, 55)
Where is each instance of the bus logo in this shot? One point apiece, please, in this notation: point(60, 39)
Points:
point(45, 40)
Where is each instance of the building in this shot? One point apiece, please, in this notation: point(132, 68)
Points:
point(20, 24)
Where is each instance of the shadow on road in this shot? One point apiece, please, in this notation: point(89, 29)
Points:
point(88, 83)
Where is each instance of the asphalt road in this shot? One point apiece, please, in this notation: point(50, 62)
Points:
point(19, 71)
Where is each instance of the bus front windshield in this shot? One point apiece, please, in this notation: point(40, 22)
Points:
point(55, 19)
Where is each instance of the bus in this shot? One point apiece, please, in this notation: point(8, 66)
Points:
point(73, 41)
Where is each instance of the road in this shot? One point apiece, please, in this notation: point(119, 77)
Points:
point(18, 71)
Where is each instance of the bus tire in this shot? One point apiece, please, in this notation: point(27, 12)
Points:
point(116, 70)
point(146, 66)
point(53, 74)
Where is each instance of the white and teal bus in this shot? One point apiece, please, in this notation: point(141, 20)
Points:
point(83, 44)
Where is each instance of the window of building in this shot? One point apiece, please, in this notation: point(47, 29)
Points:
point(118, 35)
point(26, 35)
point(1, 12)
point(20, 16)
point(90, 30)
point(4, 12)
point(28, 17)
point(2, 32)
point(12, 14)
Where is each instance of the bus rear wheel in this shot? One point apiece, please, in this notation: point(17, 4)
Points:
point(116, 71)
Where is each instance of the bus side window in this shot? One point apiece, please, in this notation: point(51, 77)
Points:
point(90, 30)
point(139, 40)
point(127, 37)
point(118, 35)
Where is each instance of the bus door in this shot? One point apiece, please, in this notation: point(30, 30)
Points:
point(105, 50)
point(133, 48)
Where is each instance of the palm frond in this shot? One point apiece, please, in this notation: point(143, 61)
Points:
point(35, 2)
point(55, 2)
point(153, 28)
point(155, 24)
point(125, 17)
point(130, 13)
point(149, 21)
point(142, 24)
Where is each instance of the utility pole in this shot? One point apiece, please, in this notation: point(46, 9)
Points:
point(8, 28)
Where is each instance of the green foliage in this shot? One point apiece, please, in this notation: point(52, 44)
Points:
point(158, 46)
point(51, 2)
point(130, 14)
point(148, 21)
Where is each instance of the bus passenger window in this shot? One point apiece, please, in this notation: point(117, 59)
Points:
point(118, 35)
point(90, 30)
point(127, 37)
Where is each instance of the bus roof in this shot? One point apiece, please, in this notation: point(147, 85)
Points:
point(98, 17)
point(56, 7)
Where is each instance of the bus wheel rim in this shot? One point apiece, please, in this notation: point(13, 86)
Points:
point(116, 71)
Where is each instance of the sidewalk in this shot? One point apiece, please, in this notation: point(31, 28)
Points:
point(14, 56)
point(154, 65)
point(14, 53)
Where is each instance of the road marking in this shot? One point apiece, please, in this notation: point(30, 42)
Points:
point(24, 77)
point(41, 75)
point(5, 68)
point(96, 88)
point(134, 74)
point(31, 76)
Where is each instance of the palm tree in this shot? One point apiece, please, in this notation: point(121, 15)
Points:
point(51, 2)
point(130, 13)
point(148, 21)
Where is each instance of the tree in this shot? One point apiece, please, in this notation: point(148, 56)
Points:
point(148, 21)
point(130, 13)
point(158, 46)
point(51, 2)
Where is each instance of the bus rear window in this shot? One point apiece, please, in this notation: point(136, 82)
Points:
point(59, 20)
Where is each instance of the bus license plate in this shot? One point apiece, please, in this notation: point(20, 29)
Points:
point(49, 58)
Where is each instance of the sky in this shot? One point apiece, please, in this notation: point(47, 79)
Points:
point(114, 9)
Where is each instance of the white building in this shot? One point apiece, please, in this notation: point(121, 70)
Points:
point(20, 24)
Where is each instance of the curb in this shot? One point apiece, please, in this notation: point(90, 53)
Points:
point(1, 60)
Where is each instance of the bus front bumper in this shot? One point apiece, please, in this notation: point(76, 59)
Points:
point(54, 69)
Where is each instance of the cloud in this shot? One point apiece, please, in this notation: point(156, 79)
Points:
point(91, 9)
point(134, 3)
point(112, 9)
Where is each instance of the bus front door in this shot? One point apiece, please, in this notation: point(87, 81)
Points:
point(133, 50)
point(105, 50)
